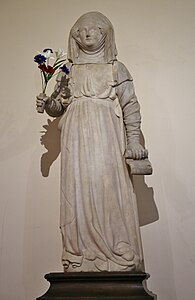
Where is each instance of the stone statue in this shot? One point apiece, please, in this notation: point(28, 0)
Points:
point(100, 129)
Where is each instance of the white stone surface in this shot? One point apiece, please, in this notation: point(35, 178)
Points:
point(159, 52)
point(100, 126)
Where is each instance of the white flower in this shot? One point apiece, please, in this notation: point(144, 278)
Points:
point(60, 53)
point(47, 53)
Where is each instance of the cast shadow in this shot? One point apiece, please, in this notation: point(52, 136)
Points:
point(147, 209)
point(51, 141)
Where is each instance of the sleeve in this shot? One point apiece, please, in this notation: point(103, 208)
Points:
point(129, 104)
point(54, 107)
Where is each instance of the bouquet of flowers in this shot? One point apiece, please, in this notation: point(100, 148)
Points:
point(49, 70)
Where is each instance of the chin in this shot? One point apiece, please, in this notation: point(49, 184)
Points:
point(90, 44)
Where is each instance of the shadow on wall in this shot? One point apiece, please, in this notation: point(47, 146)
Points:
point(147, 209)
point(50, 139)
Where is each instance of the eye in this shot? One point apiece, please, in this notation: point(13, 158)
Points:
point(77, 33)
point(100, 29)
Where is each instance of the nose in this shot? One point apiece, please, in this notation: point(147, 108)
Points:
point(87, 33)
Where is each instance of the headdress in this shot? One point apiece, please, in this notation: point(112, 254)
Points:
point(107, 30)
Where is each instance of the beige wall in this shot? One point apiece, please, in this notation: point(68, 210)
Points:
point(155, 40)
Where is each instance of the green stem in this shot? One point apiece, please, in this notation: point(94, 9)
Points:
point(44, 89)
point(41, 79)
point(45, 79)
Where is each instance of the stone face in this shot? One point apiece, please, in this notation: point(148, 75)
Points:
point(100, 128)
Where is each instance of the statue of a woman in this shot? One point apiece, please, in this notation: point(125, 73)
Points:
point(100, 128)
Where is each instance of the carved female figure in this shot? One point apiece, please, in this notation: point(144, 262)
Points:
point(100, 127)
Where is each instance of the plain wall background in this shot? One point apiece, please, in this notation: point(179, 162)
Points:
point(155, 40)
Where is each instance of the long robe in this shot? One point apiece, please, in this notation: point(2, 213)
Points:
point(99, 222)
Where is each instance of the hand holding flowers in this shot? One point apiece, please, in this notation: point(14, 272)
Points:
point(42, 98)
point(48, 71)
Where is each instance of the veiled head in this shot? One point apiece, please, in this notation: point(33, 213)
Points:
point(92, 32)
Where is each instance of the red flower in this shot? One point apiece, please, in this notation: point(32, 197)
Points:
point(48, 69)
point(43, 67)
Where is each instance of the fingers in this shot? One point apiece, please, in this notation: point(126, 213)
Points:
point(42, 97)
point(129, 154)
point(40, 102)
point(40, 105)
point(146, 153)
point(137, 153)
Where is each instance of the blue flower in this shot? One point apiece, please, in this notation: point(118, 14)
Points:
point(40, 59)
point(65, 69)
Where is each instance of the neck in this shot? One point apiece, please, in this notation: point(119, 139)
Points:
point(96, 56)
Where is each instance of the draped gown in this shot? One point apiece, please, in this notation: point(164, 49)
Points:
point(99, 222)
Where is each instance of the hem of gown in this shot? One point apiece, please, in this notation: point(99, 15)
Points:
point(78, 263)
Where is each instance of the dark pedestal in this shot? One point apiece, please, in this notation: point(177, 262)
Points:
point(93, 286)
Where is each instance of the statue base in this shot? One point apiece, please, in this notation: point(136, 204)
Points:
point(100, 285)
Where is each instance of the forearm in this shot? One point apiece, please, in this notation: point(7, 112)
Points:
point(131, 111)
point(53, 107)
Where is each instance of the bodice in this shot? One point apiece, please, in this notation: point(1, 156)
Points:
point(92, 80)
